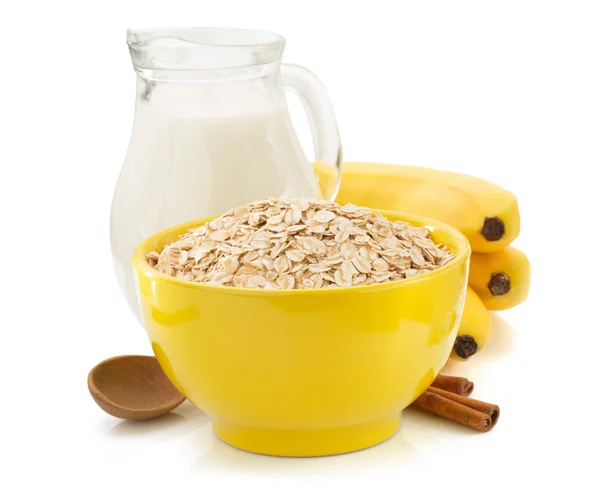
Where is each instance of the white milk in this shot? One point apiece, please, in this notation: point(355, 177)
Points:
point(181, 167)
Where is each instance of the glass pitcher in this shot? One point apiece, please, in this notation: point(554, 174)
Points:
point(212, 131)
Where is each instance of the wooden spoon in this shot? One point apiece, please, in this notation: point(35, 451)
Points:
point(133, 387)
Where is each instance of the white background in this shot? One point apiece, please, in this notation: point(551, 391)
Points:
point(509, 91)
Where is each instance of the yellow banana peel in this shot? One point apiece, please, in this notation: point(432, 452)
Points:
point(475, 328)
point(487, 214)
point(501, 279)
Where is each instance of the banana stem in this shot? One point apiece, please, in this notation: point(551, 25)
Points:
point(465, 346)
point(499, 284)
point(493, 229)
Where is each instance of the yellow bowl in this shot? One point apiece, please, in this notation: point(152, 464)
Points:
point(304, 372)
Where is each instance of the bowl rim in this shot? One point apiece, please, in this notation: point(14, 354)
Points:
point(459, 240)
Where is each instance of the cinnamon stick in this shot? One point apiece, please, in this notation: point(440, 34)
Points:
point(454, 384)
point(488, 408)
point(457, 412)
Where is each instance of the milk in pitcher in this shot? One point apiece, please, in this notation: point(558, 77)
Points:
point(188, 166)
point(211, 132)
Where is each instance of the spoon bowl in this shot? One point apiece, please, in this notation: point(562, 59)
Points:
point(133, 387)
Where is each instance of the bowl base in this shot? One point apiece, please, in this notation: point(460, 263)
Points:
point(307, 443)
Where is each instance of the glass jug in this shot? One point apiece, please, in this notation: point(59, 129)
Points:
point(212, 131)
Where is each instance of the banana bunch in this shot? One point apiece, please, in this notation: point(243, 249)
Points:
point(488, 215)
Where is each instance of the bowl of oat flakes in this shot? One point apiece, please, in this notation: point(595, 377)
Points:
point(302, 327)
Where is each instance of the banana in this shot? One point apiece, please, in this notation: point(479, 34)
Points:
point(475, 328)
point(501, 279)
point(327, 177)
point(485, 213)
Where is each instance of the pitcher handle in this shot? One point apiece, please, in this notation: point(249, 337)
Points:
point(323, 126)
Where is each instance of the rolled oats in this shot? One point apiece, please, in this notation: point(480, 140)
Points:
point(293, 243)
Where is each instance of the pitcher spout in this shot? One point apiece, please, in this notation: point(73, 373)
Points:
point(202, 49)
